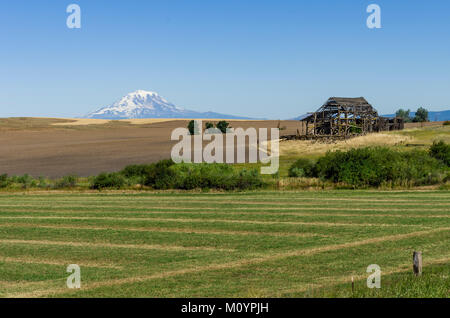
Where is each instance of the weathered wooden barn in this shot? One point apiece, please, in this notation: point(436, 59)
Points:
point(342, 116)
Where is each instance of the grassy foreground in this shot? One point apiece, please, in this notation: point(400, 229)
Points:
point(252, 244)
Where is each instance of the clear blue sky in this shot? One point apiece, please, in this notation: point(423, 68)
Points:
point(272, 59)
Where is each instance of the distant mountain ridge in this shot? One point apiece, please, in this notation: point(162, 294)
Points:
point(145, 104)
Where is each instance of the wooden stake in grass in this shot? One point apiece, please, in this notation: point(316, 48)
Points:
point(353, 285)
point(417, 263)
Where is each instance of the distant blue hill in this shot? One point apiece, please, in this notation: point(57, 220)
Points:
point(442, 115)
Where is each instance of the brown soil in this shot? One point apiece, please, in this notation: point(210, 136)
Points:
point(38, 147)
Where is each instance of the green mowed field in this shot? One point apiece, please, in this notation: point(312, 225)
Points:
point(251, 244)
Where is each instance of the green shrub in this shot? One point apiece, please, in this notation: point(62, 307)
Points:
point(159, 175)
point(355, 129)
point(189, 176)
point(108, 180)
point(446, 123)
point(136, 170)
point(249, 179)
point(379, 165)
point(165, 174)
point(136, 174)
point(66, 182)
point(5, 181)
point(441, 151)
point(42, 183)
point(25, 181)
point(209, 125)
point(192, 176)
point(295, 172)
point(302, 168)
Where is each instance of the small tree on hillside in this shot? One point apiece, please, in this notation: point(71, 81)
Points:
point(421, 115)
point(193, 128)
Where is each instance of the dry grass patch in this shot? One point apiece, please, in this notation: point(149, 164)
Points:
point(305, 148)
point(200, 220)
point(81, 122)
point(162, 230)
point(110, 245)
point(31, 260)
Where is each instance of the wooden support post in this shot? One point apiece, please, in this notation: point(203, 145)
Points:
point(315, 123)
point(323, 121)
point(346, 123)
point(339, 122)
point(417, 263)
point(331, 125)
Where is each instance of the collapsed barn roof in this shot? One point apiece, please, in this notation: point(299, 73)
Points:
point(343, 116)
point(358, 105)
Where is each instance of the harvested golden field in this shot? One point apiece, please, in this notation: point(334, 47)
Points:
point(411, 138)
point(312, 148)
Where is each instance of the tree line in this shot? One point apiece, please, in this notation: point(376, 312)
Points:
point(420, 116)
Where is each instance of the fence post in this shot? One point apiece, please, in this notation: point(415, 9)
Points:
point(417, 263)
point(353, 286)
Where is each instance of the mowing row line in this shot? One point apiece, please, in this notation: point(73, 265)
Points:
point(323, 212)
point(143, 204)
point(241, 195)
point(163, 230)
point(196, 224)
point(235, 211)
point(202, 220)
point(31, 260)
point(165, 247)
point(267, 199)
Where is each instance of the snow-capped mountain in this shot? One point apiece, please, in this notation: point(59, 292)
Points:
point(144, 104)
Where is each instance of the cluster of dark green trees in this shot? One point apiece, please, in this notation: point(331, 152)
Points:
point(222, 126)
point(420, 116)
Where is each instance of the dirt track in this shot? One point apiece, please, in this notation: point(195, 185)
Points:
point(54, 151)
